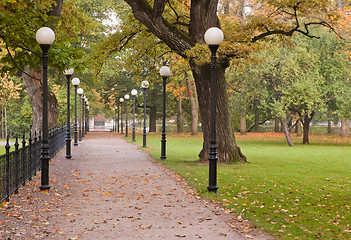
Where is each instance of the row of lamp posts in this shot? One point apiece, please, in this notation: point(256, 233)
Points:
point(45, 37)
point(117, 125)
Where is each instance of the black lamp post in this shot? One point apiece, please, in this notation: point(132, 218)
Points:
point(68, 74)
point(213, 37)
point(144, 86)
point(80, 92)
point(126, 97)
point(114, 121)
point(165, 72)
point(75, 82)
point(117, 117)
point(86, 115)
point(45, 37)
point(83, 115)
point(134, 92)
point(121, 100)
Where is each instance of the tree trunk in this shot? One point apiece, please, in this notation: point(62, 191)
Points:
point(306, 127)
point(5, 121)
point(329, 121)
point(179, 115)
point(2, 121)
point(345, 129)
point(34, 86)
point(193, 105)
point(242, 121)
point(298, 129)
point(257, 119)
point(152, 123)
point(227, 150)
point(284, 123)
point(276, 125)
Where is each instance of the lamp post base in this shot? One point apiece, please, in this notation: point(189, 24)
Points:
point(68, 156)
point(212, 189)
point(44, 187)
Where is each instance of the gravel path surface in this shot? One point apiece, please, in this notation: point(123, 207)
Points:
point(112, 190)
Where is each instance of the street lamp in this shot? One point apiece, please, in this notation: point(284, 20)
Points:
point(134, 92)
point(68, 73)
point(165, 72)
point(45, 37)
point(80, 92)
point(114, 121)
point(83, 115)
point(121, 100)
point(213, 37)
point(86, 116)
point(75, 82)
point(144, 86)
point(126, 97)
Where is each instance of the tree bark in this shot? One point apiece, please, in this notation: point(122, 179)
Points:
point(345, 129)
point(329, 121)
point(5, 121)
point(179, 115)
point(193, 105)
point(2, 121)
point(242, 121)
point(298, 129)
point(257, 118)
point(34, 86)
point(284, 123)
point(276, 125)
point(228, 151)
point(306, 127)
point(152, 123)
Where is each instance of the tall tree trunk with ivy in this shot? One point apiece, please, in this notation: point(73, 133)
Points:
point(193, 104)
point(34, 85)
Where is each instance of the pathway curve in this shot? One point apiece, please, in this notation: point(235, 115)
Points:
point(112, 190)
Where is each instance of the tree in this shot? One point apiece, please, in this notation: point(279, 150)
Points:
point(182, 27)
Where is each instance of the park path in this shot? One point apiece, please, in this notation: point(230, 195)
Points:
point(112, 190)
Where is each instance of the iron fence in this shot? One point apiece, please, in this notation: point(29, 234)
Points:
point(19, 165)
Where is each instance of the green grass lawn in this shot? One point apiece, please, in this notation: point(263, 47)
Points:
point(300, 192)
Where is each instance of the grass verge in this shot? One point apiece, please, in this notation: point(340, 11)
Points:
point(300, 192)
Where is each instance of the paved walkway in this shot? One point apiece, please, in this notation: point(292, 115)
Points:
point(112, 190)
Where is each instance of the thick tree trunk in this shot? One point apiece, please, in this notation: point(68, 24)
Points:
point(306, 127)
point(193, 105)
point(345, 129)
point(329, 121)
point(179, 115)
point(34, 86)
point(152, 123)
point(227, 150)
point(276, 125)
point(242, 121)
point(284, 123)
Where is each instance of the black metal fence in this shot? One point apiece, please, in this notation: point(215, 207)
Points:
point(19, 165)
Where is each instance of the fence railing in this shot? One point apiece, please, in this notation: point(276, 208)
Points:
point(19, 165)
